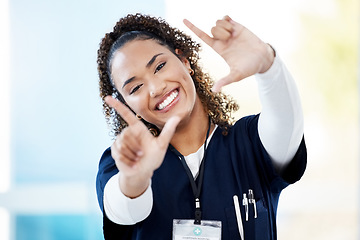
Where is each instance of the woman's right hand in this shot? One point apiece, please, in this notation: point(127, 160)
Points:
point(137, 153)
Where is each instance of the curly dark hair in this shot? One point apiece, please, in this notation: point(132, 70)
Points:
point(139, 26)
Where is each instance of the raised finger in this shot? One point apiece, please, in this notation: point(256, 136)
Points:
point(121, 109)
point(201, 34)
point(227, 18)
point(232, 77)
point(168, 131)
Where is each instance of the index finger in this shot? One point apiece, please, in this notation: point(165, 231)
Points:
point(198, 32)
point(121, 109)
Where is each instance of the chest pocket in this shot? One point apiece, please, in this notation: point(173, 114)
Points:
point(255, 228)
point(261, 223)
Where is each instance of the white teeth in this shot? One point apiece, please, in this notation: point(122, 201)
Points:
point(168, 100)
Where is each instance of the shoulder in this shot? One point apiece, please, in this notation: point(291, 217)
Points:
point(245, 125)
point(243, 134)
point(106, 158)
point(107, 164)
point(106, 170)
point(248, 120)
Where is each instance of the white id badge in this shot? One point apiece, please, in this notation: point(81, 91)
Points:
point(187, 230)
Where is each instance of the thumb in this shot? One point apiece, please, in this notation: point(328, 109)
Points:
point(168, 131)
point(232, 77)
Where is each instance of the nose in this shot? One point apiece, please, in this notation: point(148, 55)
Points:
point(156, 88)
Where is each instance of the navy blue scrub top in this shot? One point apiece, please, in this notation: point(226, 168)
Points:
point(234, 164)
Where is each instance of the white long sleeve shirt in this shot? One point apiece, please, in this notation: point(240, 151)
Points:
point(280, 129)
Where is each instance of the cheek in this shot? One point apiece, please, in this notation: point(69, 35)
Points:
point(190, 86)
point(184, 76)
point(137, 104)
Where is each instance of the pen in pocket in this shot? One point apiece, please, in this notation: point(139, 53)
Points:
point(245, 203)
point(249, 199)
point(252, 201)
point(238, 216)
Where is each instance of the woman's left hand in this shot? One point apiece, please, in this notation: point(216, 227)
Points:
point(243, 51)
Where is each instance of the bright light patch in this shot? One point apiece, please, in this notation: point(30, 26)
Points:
point(4, 99)
point(4, 224)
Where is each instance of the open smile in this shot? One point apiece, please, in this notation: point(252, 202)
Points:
point(169, 99)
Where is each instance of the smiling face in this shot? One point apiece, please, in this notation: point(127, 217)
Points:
point(154, 82)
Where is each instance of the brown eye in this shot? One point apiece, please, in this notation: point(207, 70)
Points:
point(159, 67)
point(135, 89)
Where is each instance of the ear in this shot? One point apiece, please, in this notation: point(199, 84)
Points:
point(183, 59)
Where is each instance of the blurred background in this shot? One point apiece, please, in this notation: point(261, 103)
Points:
point(52, 130)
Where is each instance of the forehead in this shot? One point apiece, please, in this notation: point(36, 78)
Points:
point(131, 59)
point(137, 52)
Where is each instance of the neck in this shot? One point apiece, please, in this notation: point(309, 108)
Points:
point(190, 135)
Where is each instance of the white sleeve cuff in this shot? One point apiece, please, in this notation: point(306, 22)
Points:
point(123, 210)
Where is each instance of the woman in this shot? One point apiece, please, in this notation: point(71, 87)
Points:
point(178, 168)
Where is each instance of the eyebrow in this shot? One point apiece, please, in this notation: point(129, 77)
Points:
point(128, 81)
point(152, 60)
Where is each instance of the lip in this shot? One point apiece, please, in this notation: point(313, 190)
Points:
point(171, 104)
